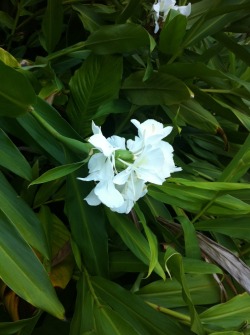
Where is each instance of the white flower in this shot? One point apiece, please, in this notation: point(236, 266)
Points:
point(121, 178)
point(162, 8)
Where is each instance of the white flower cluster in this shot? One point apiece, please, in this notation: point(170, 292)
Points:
point(122, 168)
point(162, 7)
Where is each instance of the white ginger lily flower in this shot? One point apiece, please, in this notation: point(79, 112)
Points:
point(162, 8)
point(122, 179)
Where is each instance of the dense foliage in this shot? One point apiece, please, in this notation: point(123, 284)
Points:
point(178, 263)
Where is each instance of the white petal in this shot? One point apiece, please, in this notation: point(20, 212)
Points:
point(95, 128)
point(108, 194)
point(101, 143)
point(92, 199)
point(122, 177)
point(184, 10)
point(117, 142)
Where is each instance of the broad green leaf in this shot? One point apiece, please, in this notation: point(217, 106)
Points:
point(120, 38)
point(192, 113)
point(89, 89)
point(109, 322)
point(229, 315)
point(159, 89)
point(227, 226)
point(7, 58)
point(89, 17)
point(172, 34)
point(22, 217)
point(33, 283)
point(52, 25)
point(203, 289)
point(84, 306)
point(144, 319)
point(57, 172)
point(152, 242)
point(12, 159)
point(134, 239)
point(174, 265)
point(16, 93)
point(87, 227)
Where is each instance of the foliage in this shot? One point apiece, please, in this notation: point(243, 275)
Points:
point(178, 263)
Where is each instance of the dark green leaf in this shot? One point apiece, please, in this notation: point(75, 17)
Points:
point(89, 89)
point(159, 89)
point(16, 93)
point(119, 38)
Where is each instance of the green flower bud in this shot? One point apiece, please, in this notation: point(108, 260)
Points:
point(123, 158)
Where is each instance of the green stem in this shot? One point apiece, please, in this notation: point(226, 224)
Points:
point(185, 319)
point(204, 209)
point(75, 145)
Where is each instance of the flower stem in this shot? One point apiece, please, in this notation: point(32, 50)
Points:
point(185, 319)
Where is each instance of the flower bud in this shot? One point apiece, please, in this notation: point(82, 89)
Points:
point(123, 158)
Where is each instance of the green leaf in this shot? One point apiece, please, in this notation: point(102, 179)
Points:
point(134, 239)
point(89, 89)
point(172, 34)
point(8, 59)
point(16, 93)
point(109, 322)
point(87, 226)
point(128, 11)
point(6, 20)
point(9, 328)
point(120, 38)
point(159, 89)
point(193, 114)
point(229, 315)
point(203, 290)
point(12, 159)
point(239, 165)
point(84, 306)
point(215, 186)
point(227, 226)
point(144, 319)
point(195, 200)
point(57, 172)
point(33, 283)
point(52, 25)
point(174, 265)
point(22, 217)
point(90, 19)
point(152, 242)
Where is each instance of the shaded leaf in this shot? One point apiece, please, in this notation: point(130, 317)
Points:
point(12, 159)
point(32, 285)
point(159, 89)
point(89, 89)
point(118, 38)
point(22, 217)
point(52, 24)
point(16, 93)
